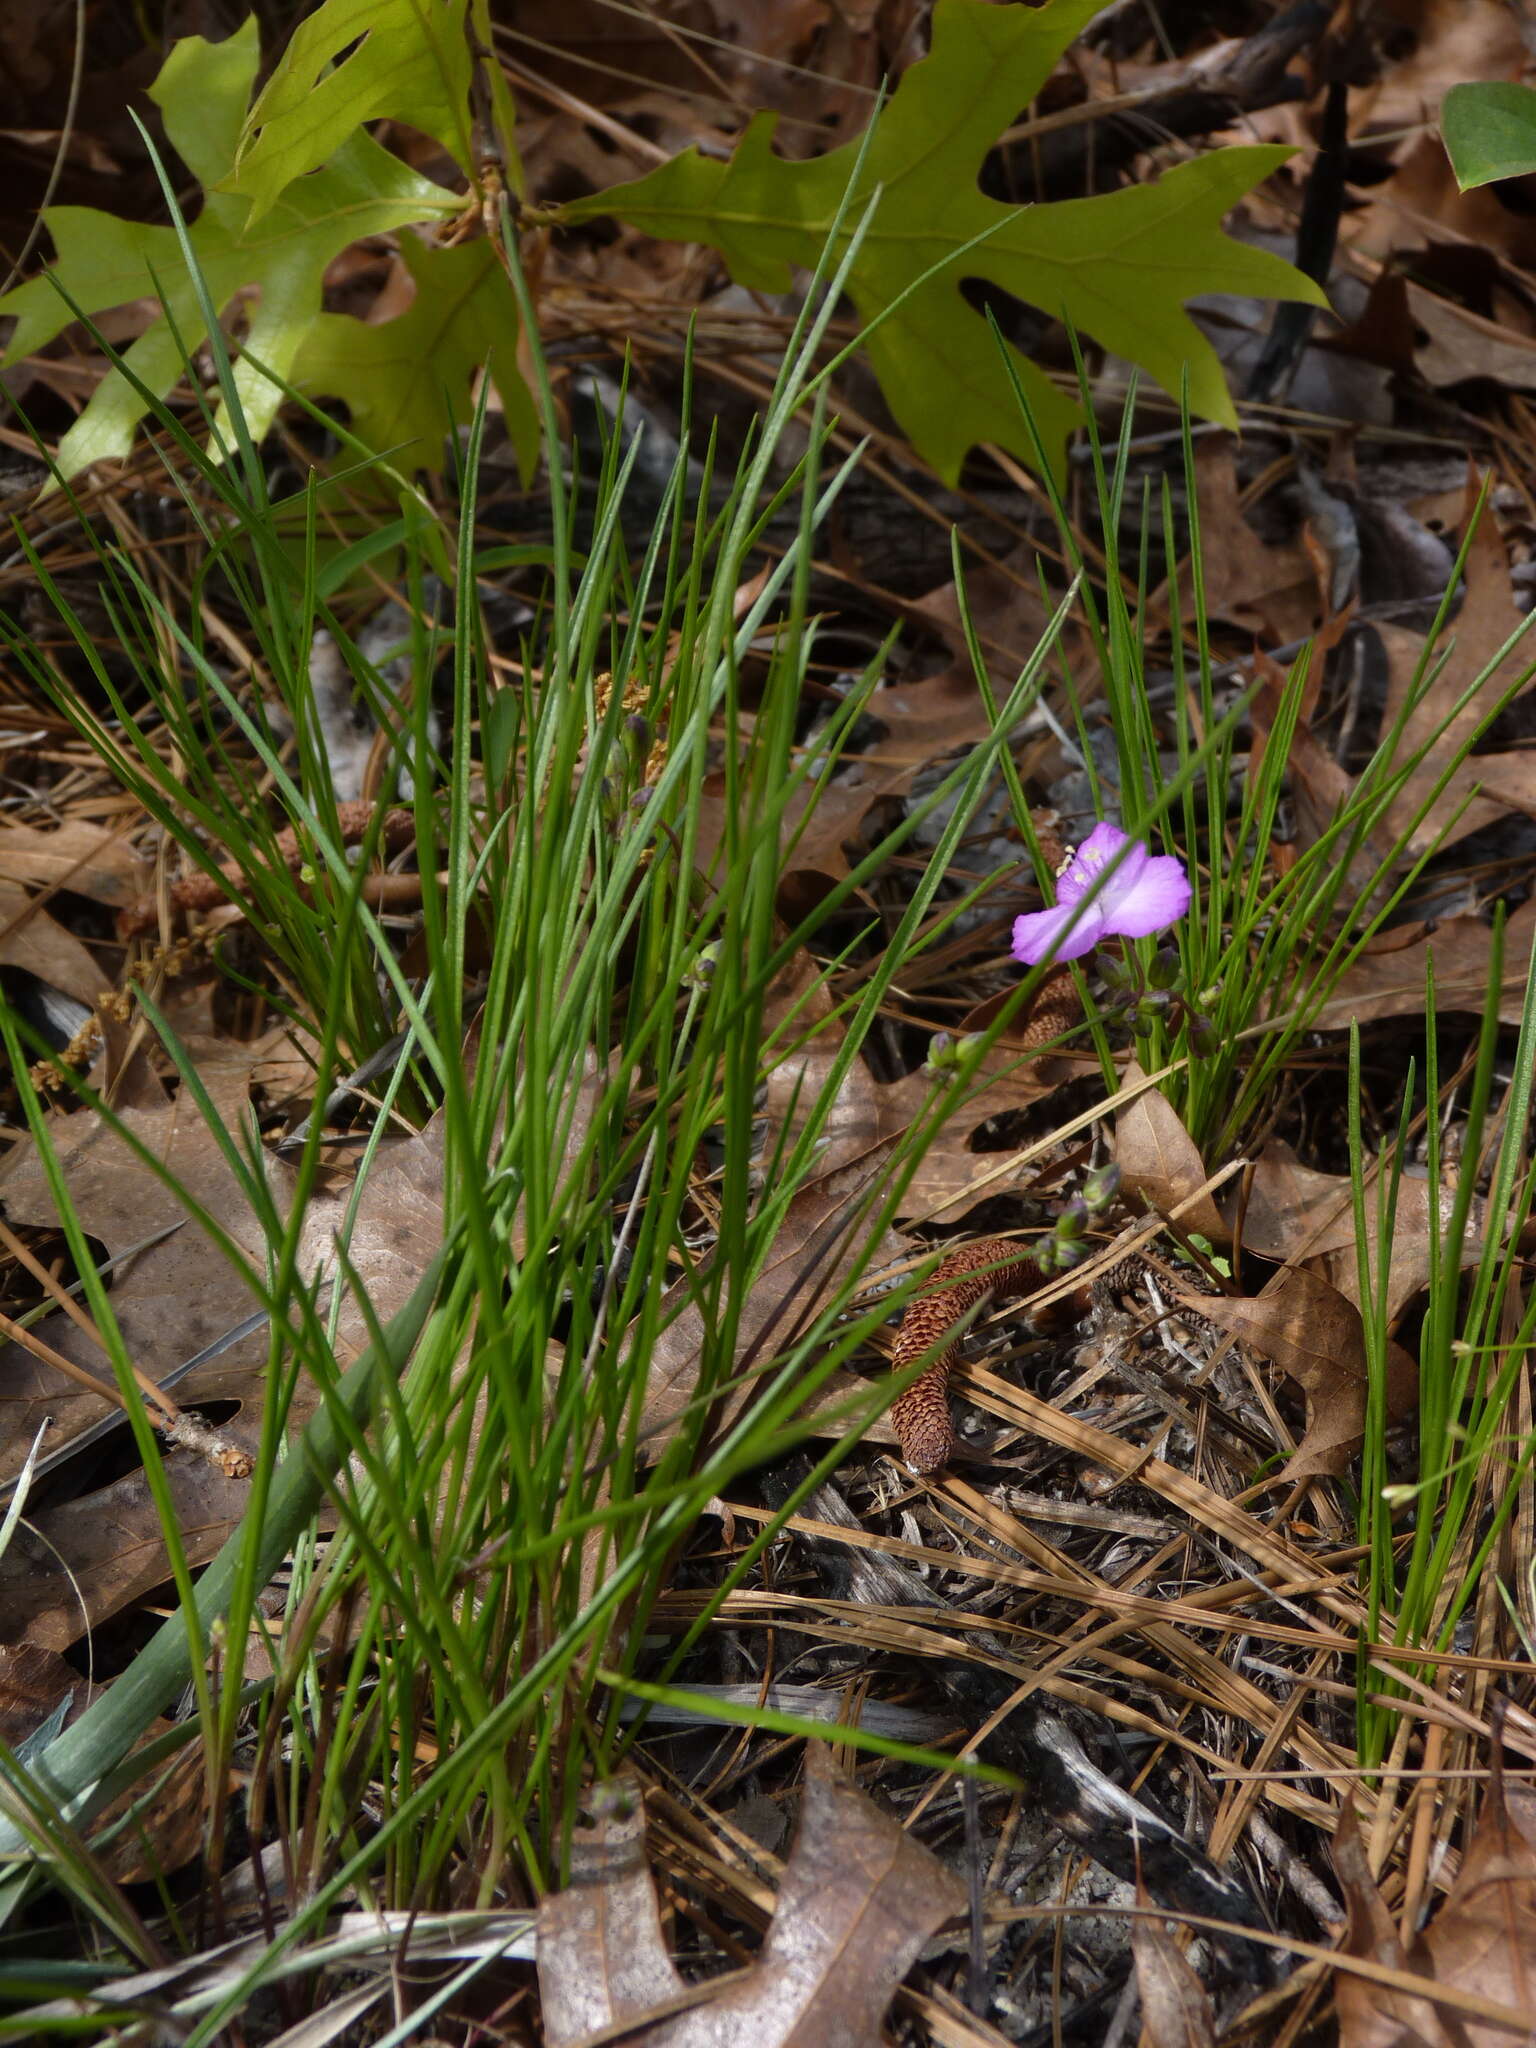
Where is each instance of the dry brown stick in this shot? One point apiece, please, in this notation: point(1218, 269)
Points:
point(64, 1300)
point(206, 892)
point(107, 1390)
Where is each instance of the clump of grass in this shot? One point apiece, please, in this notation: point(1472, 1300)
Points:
point(506, 1518)
point(1260, 956)
point(1473, 1456)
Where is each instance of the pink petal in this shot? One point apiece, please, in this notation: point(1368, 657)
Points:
point(1090, 860)
point(1066, 933)
point(1157, 897)
point(1102, 844)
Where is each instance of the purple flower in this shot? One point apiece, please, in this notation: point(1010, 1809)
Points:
point(1146, 893)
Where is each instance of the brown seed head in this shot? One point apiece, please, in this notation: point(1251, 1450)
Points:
point(968, 1275)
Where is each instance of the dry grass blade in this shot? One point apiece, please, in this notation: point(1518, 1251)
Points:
point(1206, 1508)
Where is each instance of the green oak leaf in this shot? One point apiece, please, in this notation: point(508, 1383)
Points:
point(405, 379)
point(204, 91)
point(1118, 267)
point(408, 60)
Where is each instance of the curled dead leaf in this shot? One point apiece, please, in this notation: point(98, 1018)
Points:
point(1480, 1946)
point(1317, 1339)
point(603, 1959)
point(37, 943)
point(858, 1899)
point(1483, 1938)
point(1372, 2014)
point(1175, 2007)
point(76, 856)
point(1248, 578)
point(1292, 1213)
point(1159, 1163)
point(80, 1561)
point(1389, 978)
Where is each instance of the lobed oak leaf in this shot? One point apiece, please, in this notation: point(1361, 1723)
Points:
point(1120, 267)
point(280, 255)
point(1317, 1339)
point(354, 61)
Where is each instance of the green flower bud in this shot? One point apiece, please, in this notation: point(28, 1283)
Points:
point(1204, 1039)
point(1164, 971)
point(1116, 972)
point(702, 972)
point(943, 1057)
point(1072, 1221)
point(1101, 1187)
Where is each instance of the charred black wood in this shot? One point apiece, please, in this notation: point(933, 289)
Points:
point(1089, 155)
point(1317, 235)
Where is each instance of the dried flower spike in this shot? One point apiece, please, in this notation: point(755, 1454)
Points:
point(1146, 893)
point(994, 1267)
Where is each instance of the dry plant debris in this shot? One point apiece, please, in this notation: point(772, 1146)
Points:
point(1098, 1544)
point(177, 1296)
point(1480, 1944)
point(857, 1898)
point(1176, 2010)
